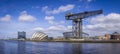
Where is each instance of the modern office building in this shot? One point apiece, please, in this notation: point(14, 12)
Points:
point(68, 35)
point(22, 35)
point(39, 36)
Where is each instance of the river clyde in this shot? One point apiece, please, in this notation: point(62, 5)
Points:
point(28, 47)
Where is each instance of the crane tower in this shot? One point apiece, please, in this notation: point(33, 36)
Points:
point(77, 21)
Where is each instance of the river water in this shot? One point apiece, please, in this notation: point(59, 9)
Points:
point(27, 47)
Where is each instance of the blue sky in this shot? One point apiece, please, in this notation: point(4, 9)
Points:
point(48, 16)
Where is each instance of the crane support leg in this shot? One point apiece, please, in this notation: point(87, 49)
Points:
point(79, 33)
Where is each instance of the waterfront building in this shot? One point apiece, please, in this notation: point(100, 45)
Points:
point(68, 35)
point(50, 38)
point(115, 36)
point(99, 37)
point(59, 38)
point(107, 36)
point(22, 35)
point(39, 36)
point(71, 35)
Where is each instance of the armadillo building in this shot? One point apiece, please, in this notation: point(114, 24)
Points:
point(39, 36)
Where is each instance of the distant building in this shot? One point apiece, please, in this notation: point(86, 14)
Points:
point(39, 36)
point(59, 38)
point(50, 38)
point(115, 36)
point(107, 36)
point(99, 38)
point(68, 35)
point(22, 35)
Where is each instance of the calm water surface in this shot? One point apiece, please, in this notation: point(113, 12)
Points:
point(21, 47)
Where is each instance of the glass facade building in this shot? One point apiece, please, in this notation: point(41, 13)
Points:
point(22, 35)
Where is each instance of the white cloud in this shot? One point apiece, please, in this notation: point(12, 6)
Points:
point(104, 24)
point(50, 20)
point(24, 17)
point(86, 0)
point(38, 29)
point(80, 0)
point(62, 22)
point(110, 18)
point(6, 18)
point(59, 9)
point(35, 7)
point(89, 0)
point(69, 28)
point(44, 8)
point(59, 28)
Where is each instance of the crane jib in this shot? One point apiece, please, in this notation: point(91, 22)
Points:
point(82, 15)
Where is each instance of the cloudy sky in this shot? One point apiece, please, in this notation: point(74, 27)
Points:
point(48, 16)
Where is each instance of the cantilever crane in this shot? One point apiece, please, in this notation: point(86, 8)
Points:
point(77, 21)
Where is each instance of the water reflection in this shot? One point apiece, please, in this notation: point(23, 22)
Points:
point(21, 47)
point(37, 48)
point(77, 48)
point(72, 48)
point(2, 47)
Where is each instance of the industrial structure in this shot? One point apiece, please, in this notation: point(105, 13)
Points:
point(39, 36)
point(77, 21)
point(22, 35)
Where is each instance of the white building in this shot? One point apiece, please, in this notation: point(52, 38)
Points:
point(39, 36)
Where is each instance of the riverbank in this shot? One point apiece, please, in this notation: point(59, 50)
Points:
point(29, 47)
point(75, 41)
point(80, 41)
